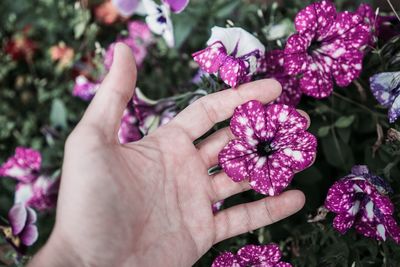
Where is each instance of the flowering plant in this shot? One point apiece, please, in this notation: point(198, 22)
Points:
point(337, 60)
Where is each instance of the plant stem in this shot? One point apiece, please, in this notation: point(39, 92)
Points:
point(375, 114)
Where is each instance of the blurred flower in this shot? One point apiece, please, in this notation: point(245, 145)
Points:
point(280, 30)
point(360, 199)
point(272, 144)
point(232, 53)
point(40, 194)
point(140, 32)
point(328, 45)
point(152, 114)
point(273, 68)
point(129, 128)
point(106, 12)
point(159, 21)
point(23, 229)
point(23, 166)
point(62, 53)
point(20, 46)
point(126, 7)
point(385, 87)
point(84, 88)
point(252, 255)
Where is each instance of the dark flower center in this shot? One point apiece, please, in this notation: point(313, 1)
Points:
point(314, 46)
point(264, 149)
point(162, 19)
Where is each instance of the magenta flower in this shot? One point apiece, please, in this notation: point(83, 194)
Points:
point(217, 206)
point(129, 128)
point(232, 53)
point(328, 46)
point(85, 89)
point(176, 6)
point(252, 255)
point(273, 68)
point(40, 194)
point(23, 229)
point(360, 199)
point(271, 145)
point(138, 49)
point(23, 166)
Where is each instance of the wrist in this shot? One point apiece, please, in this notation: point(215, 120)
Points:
point(56, 252)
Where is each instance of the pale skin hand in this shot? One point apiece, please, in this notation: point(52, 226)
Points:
point(148, 203)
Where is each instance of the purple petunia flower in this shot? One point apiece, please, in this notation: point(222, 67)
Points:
point(139, 31)
point(328, 45)
point(232, 53)
point(360, 199)
point(129, 128)
point(271, 145)
point(152, 114)
point(273, 67)
point(40, 194)
point(23, 166)
point(23, 229)
point(385, 87)
point(252, 255)
point(84, 89)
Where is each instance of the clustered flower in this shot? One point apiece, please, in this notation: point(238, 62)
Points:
point(271, 145)
point(360, 200)
point(33, 189)
point(252, 255)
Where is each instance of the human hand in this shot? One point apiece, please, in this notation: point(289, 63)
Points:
point(148, 203)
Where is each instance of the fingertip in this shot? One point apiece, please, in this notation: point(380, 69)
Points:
point(123, 56)
point(296, 199)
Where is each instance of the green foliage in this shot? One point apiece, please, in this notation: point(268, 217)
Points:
point(38, 110)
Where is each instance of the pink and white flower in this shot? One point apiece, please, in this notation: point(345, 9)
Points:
point(232, 54)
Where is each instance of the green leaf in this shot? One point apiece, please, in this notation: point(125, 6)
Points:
point(336, 152)
point(58, 114)
point(183, 26)
point(227, 9)
point(344, 121)
point(323, 131)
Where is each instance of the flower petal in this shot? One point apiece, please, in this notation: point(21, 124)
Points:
point(126, 7)
point(252, 255)
point(296, 59)
point(17, 217)
point(343, 222)
point(226, 259)
point(394, 111)
point(177, 6)
point(232, 71)
point(269, 175)
point(234, 157)
point(340, 198)
point(316, 83)
point(383, 85)
point(348, 67)
point(211, 58)
point(392, 228)
point(249, 122)
point(29, 235)
point(316, 17)
point(285, 120)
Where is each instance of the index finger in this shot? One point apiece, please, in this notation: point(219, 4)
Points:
point(204, 113)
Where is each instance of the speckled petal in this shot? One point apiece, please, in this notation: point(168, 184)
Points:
point(296, 59)
point(23, 165)
point(234, 159)
point(283, 264)
point(343, 222)
point(285, 119)
point(249, 122)
point(29, 235)
point(226, 259)
point(383, 202)
point(232, 71)
point(269, 175)
point(211, 58)
point(316, 17)
point(383, 87)
point(252, 255)
point(291, 93)
point(298, 151)
point(392, 228)
point(84, 89)
point(394, 111)
point(348, 67)
point(17, 217)
point(340, 198)
point(316, 84)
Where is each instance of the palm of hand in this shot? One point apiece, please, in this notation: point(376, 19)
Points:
point(148, 203)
